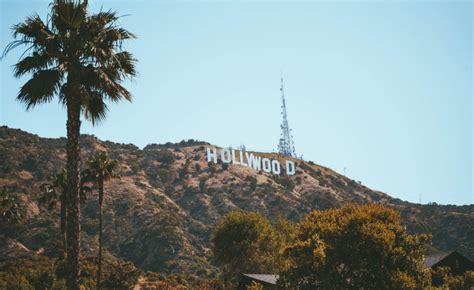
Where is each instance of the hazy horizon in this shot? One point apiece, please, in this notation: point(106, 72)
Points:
point(383, 89)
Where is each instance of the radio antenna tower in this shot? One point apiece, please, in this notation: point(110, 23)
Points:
point(286, 146)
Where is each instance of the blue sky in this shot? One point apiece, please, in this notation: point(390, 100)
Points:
point(381, 88)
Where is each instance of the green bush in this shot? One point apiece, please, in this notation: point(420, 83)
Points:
point(202, 185)
point(122, 276)
point(27, 273)
point(166, 176)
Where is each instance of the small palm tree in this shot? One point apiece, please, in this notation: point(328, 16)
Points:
point(51, 197)
point(54, 192)
point(10, 211)
point(100, 168)
point(78, 58)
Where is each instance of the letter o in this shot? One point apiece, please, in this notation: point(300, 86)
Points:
point(226, 156)
point(266, 165)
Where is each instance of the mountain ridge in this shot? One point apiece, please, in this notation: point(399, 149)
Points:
point(161, 212)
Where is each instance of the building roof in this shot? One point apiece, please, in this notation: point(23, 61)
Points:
point(439, 258)
point(433, 259)
point(265, 278)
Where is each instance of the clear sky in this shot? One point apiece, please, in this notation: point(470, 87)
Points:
point(381, 88)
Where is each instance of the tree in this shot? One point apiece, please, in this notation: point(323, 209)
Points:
point(55, 192)
point(244, 242)
point(285, 230)
point(51, 197)
point(442, 278)
point(100, 168)
point(123, 275)
point(77, 57)
point(10, 210)
point(468, 279)
point(356, 246)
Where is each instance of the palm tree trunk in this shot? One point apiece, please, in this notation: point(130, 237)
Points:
point(63, 225)
point(73, 212)
point(101, 200)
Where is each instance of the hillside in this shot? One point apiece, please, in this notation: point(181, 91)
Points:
point(161, 212)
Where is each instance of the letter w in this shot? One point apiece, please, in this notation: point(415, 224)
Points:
point(254, 161)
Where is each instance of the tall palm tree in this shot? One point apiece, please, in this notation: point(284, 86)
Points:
point(100, 168)
point(55, 192)
point(78, 58)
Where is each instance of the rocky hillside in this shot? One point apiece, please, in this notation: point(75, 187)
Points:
point(161, 212)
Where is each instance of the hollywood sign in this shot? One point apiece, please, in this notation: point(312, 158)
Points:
point(227, 155)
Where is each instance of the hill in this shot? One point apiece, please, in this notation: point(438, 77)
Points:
point(161, 212)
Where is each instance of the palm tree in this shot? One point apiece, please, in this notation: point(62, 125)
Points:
point(10, 214)
point(51, 197)
point(10, 211)
point(100, 168)
point(78, 58)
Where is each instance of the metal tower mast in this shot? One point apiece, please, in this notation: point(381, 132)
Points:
point(285, 146)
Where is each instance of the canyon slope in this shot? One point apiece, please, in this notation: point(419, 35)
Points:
point(161, 212)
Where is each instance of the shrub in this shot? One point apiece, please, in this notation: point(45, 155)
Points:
point(123, 275)
point(255, 286)
point(252, 182)
point(225, 166)
point(286, 182)
point(202, 185)
point(212, 168)
point(184, 170)
point(27, 273)
point(29, 163)
point(164, 156)
point(197, 167)
point(166, 176)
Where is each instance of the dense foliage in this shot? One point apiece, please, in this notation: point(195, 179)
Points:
point(442, 278)
point(356, 246)
point(41, 272)
point(352, 247)
point(245, 243)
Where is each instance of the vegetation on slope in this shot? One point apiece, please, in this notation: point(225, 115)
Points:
point(161, 213)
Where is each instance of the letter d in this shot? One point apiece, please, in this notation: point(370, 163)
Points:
point(290, 167)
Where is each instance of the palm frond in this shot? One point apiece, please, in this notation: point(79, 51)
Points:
point(49, 196)
point(124, 62)
point(33, 30)
point(60, 179)
point(84, 189)
point(107, 82)
point(11, 46)
point(95, 109)
point(33, 63)
point(41, 88)
point(100, 165)
point(68, 14)
point(104, 18)
point(33, 33)
point(114, 35)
